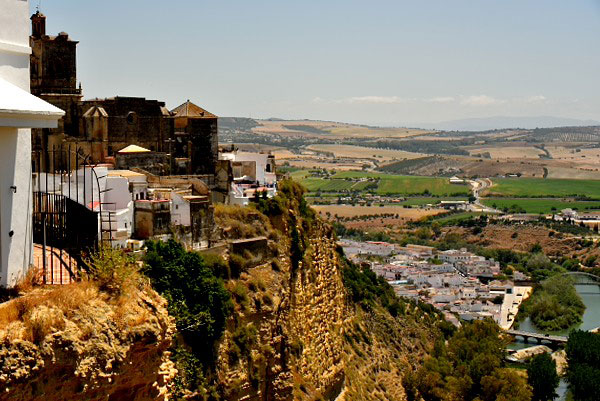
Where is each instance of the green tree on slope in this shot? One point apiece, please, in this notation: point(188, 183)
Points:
point(542, 377)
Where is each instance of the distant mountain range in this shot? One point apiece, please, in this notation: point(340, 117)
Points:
point(502, 122)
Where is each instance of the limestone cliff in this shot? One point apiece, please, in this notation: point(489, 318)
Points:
point(312, 342)
point(78, 343)
point(305, 325)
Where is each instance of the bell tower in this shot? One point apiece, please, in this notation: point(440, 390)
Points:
point(38, 25)
point(53, 78)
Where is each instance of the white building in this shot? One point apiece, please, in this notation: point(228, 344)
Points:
point(19, 112)
point(264, 165)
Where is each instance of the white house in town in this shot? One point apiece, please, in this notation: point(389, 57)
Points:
point(252, 172)
point(262, 164)
point(19, 112)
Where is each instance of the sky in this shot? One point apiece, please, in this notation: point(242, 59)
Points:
point(374, 62)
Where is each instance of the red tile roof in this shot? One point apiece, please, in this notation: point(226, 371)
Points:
point(189, 109)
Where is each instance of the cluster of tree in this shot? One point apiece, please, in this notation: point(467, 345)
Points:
point(367, 289)
point(197, 300)
point(555, 305)
point(542, 377)
point(429, 147)
point(583, 372)
point(367, 217)
point(565, 227)
point(470, 366)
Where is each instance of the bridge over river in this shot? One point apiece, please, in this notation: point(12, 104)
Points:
point(526, 335)
point(580, 279)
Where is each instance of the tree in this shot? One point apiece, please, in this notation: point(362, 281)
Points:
point(504, 385)
point(583, 372)
point(470, 367)
point(197, 297)
point(542, 377)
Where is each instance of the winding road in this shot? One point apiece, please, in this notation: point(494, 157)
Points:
point(479, 185)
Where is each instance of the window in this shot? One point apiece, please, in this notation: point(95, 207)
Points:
point(131, 117)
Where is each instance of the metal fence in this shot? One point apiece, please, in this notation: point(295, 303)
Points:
point(67, 211)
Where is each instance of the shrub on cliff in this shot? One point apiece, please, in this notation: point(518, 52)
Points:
point(113, 271)
point(197, 297)
point(367, 289)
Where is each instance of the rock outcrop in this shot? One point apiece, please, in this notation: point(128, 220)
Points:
point(312, 342)
point(78, 343)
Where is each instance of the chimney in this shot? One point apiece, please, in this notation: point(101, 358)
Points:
point(38, 25)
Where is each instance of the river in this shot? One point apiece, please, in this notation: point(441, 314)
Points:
point(590, 294)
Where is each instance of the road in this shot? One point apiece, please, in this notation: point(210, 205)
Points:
point(479, 185)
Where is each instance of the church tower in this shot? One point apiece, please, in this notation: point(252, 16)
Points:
point(38, 25)
point(53, 77)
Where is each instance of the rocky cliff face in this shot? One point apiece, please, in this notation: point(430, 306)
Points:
point(76, 342)
point(296, 333)
point(311, 342)
point(298, 315)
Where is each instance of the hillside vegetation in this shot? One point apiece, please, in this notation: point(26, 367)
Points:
point(292, 319)
point(300, 323)
point(470, 366)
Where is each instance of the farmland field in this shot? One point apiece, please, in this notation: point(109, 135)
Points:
point(387, 184)
point(530, 205)
point(455, 217)
point(544, 188)
point(353, 211)
point(362, 152)
point(509, 152)
point(332, 130)
point(390, 184)
point(326, 185)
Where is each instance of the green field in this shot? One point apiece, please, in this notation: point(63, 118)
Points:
point(356, 174)
point(326, 185)
point(387, 184)
point(530, 205)
point(298, 175)
point(544, 188)
point(411, 201)
point(454, 217)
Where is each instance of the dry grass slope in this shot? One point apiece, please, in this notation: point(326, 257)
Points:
point(90, 333)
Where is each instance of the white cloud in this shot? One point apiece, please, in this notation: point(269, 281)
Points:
point(441, 99)
point(464, 100)
point(535, 99)
point(480, 100)
point(374, 100)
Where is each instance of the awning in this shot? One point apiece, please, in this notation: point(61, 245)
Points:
point(134, 149)
point(20, 109)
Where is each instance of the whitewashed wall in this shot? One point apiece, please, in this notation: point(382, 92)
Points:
point(15, 148)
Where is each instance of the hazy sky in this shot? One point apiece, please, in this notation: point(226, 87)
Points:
point(378, 62)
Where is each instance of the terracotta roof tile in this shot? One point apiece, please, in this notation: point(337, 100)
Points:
point(189, 109)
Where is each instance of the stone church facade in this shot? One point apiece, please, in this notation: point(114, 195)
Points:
point(101, 127)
